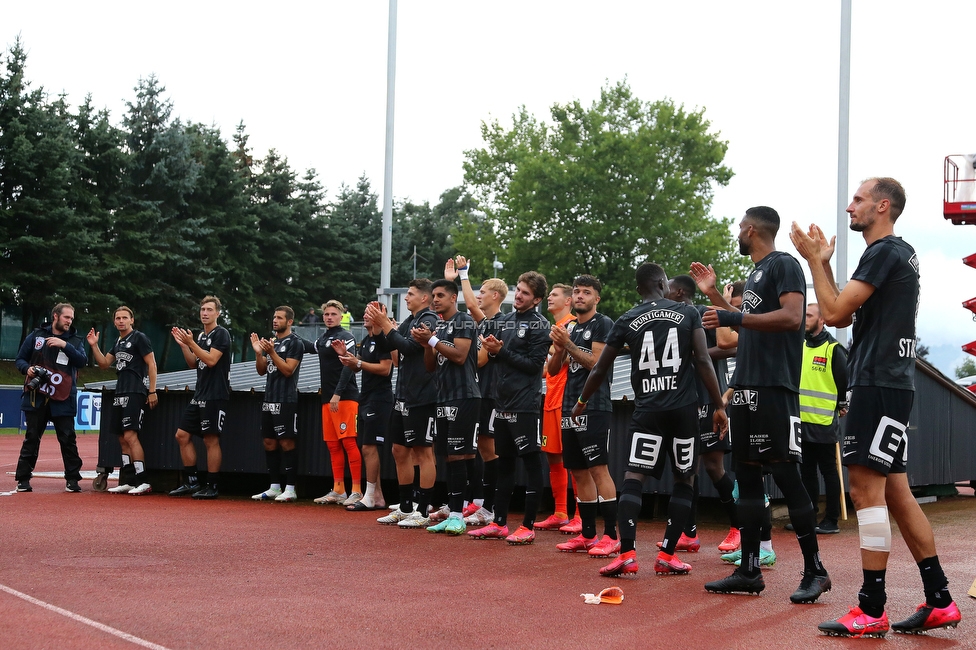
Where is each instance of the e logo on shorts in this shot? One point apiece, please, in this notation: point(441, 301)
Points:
point(888, 438)
point(645, 448)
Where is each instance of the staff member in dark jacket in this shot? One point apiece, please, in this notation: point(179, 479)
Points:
point(823, 401)
point(50, 357)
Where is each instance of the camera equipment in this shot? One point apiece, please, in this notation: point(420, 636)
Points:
point(41, 377)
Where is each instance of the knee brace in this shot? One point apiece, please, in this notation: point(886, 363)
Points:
point(874, 528)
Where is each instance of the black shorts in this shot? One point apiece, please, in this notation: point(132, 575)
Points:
point(457, 427)
point(279, 420)
point(374, 420)
point(205, 418)
point(707, 436)
point(130, 410)
point(486, 424)
point(766, 424)
point(875, 434)
point(517, 434)
point(412, 426)
point(654, 434)
point(585, 440)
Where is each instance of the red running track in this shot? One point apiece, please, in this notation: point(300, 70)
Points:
point(232, 573)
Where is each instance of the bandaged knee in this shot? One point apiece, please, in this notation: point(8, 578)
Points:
point(875, 529)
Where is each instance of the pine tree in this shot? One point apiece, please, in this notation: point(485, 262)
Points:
point(352, 262)
point(46, 249)
point(157, 242)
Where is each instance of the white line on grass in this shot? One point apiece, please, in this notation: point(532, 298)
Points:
point(81, 619)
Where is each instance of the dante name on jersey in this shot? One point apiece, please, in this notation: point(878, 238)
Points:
point(648, 359)
point(659, 335)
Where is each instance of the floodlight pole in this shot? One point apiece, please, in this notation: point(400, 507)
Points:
point(843, 142)
point(387, 242)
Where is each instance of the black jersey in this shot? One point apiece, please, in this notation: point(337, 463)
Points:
point(214, 383)
point(659, 334)
point(525, 345)
point(721, 366)
point(584, 335)
point(883, 348)
point(278, 388)
point(375, 387)
point(130, 363)
point(456, 382)
point(486, 373)
point(335, 378)
point(770, 358)
point(415, 386)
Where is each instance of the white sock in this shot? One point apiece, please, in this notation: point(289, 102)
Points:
point(767, 545)
point(275, 486)
point(367, 499)
point(289, 488)
point(479, 502)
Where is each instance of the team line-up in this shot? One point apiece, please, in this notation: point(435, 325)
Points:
point(469, 391)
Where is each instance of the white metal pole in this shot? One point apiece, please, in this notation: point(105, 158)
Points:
point(387, 243)
point(843, 141)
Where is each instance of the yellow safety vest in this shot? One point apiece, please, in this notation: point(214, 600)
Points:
point(818, 391)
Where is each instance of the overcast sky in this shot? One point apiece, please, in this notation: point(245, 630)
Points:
point(309, 79)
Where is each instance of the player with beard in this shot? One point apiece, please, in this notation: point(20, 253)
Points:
point(51, 396)
point(209, 353)
point(520, 351)
point(452, 355)
point(375, 409)
point(485, 309)
point(728, 339)
point(412, 426)
point(559, 303)
point(134, 361)
point(765, 409)
point(713, 446)
point(585, 437)
point(667, 347)
point(823, 401)
point(881, 300)
point(280, 358)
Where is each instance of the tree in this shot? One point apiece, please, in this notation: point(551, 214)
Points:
point(97, 192)
point(154, 258)
point(475, 237)
point(279, 235)
point(311, 212)
point(966, 369)
point(602, 190)
point(47, 246)
point(230, 252)
point(429, 232)
point(921, 351)
point(352, 232)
